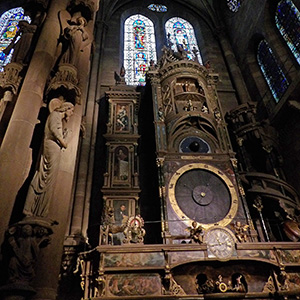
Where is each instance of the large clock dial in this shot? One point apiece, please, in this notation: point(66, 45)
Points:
point(203, 193)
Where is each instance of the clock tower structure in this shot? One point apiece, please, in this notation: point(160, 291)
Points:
point(194, 155)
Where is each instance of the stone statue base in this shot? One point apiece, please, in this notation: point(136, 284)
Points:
point(16, 291)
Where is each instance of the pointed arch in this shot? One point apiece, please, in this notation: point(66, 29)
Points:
point(287, 19)
point(8, 29)
point(181, 32)
point(139, 48)
point(271, 70)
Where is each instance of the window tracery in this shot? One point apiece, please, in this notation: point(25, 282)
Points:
point(287, 19)
point(181, 32)
point(8, 29)
point(271, 70)
point(139, 48)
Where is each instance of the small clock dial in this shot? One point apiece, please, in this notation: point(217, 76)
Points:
point(194, 144)
point(202, 193)
point(220, 243)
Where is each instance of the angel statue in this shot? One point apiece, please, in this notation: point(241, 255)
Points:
point(41, 187)
point(241, 231)
point(196, 232)
point(75, 35)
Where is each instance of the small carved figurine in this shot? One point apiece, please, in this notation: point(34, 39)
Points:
point(196, 232)
point(134, 231)
point(189, 106)
point(241, 231)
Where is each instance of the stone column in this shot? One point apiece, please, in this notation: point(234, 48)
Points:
point(233, 68)
point(15, 152)
point(79, 218)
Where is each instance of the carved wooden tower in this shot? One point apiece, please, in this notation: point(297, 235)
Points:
point(121, 187)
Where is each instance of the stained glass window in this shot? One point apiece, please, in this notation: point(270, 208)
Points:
point(181, 32)
point(273, 73)
point(139, 48)
point(158, 7)
point(8, 28)
point(233, 5)
point(287, 20)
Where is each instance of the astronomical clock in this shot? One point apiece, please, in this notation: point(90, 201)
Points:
point(194, 156)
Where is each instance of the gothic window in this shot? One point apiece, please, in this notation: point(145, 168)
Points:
point(180, 32)
point(139, 48)
point(272, 72)
point(158, 7)
point(287, 20)
point(8, 29)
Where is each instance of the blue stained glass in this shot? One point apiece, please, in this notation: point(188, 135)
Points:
point(158, 7)
point(139, 48)
point(139, 34)
point(8, 29)
point(272, 72)
point(182, 33)
point(287, 19)
point(233, 5)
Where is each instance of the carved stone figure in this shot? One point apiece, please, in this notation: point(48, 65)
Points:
point(22, 47)
point(25, 239)
point(75, 37)
point(25, 249)
point(41, 187)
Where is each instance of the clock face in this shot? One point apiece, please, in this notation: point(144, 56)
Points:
point(220, 243)
point(204, 194)
point(194, 144)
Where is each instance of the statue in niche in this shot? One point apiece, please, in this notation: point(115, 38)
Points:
point(122, 118)
point(22, 46)
point(239, 283)
point(75, 36)
point(204, 109)
point(204, 285)
point(41, 187)
point(121, 163)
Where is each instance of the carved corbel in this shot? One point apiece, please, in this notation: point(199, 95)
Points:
point(66, 83)
point(24, 241)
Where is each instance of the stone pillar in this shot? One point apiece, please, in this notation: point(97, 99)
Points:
point(233, 68)
point(79, 218)
point(15, 152)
